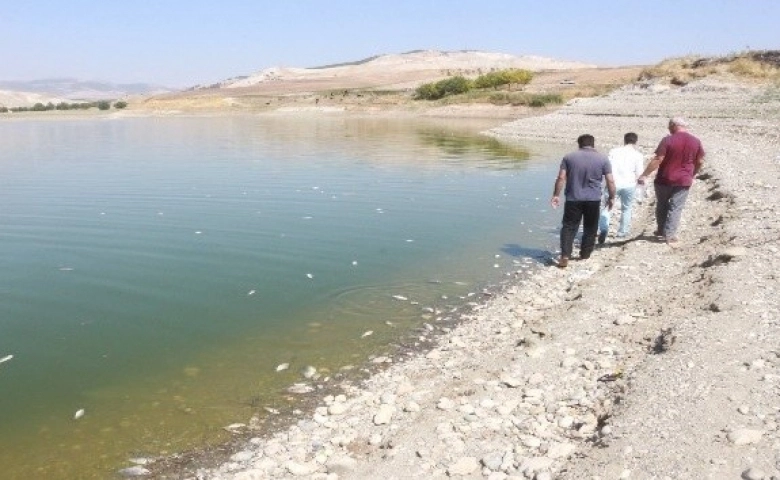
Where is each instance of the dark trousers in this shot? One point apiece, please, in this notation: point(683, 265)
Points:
point(573, 214)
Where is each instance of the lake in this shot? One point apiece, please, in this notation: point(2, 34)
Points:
point(155, 271)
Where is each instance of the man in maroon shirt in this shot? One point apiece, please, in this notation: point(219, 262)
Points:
point(678, 158)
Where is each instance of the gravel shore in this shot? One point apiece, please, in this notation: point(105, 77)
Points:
point(643, 362)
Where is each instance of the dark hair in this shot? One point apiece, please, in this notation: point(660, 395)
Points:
point(586, 140)
point(630, 137)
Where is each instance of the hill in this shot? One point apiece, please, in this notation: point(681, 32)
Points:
point(22, 93)
point(380, 82)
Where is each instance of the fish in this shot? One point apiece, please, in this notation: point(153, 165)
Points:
point(400, 297)
point(309, 275)
point(79, 413)
point(6, 358)
point(282, 366)
point(251, 292)
point(366, 334)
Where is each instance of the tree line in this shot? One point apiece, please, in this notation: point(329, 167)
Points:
point(41, 107)
point(459, 84)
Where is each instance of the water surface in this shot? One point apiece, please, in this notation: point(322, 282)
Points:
point(155, 271)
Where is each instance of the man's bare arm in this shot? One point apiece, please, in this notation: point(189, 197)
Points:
point(651, 167)
point(560, 181)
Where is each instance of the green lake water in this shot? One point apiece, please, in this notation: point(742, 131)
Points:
point(155, 271)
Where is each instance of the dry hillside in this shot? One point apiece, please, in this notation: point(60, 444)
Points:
point(379, 82)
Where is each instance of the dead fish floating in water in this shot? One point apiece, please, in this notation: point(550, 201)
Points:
point(79, 413)
point(370, 332)
point(400, 297)
point(282, 366)
point(308, 371)
point(6, 358)
point(300, 388)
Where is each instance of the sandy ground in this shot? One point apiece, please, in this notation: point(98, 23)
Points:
point(643, 362)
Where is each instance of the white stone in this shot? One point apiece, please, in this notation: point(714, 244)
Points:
point(384, 415)
point(411, 407)
point(753, 474)
point(445, 404)
point(535, 464)
point(341, 464)
point(530, 441)
point(337, 409)
point(511, 381)
point(566, 422)
point(561, 450)
point(463, 466)
point(745, 436)
point(244, 456)
point(300, 469)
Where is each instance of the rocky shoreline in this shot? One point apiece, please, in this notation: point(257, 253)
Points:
point(642, 362)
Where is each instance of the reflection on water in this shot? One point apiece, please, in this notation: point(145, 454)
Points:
point(155, 271)
point(459, 145)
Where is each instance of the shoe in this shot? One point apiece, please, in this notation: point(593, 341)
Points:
point(585, 256)
point(563, 262)
point(602, 238)
point(673, 242)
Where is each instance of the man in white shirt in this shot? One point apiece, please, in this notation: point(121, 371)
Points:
point(627, 165)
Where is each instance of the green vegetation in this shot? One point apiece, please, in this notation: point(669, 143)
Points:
point(40, 107)
point(459, 85)
point(442, 88)
point(526, 99)
point(503, 77)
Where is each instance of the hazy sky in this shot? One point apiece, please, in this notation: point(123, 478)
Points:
point(182, 43)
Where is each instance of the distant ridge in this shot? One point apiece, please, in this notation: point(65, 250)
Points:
point(74, 89)
point(412, 65)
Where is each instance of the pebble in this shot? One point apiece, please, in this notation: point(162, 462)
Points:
point(337, 409)
point(384, 415)
point(341, 464)
point(445, 404)
point(299, 469)
point(511, 381)
point(753, 474)
point(493, 460)
point(463, 466)
point(745, 436)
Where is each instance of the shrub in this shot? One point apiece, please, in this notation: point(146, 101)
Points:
point(503, 77)
point(120, 105)
point(103, 105)
point(428, 91)
point(442, 88)
point(455, 85)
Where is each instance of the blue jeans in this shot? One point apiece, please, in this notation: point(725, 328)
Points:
point(626, 196)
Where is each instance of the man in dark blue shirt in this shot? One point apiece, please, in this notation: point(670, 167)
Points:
point(582, 172)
